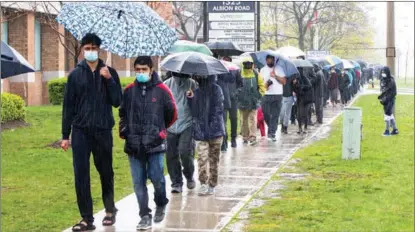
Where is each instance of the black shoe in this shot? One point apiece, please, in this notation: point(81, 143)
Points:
point(176, 189)
point(145, 223)
point(395, 132)
point(245, 142)
point(285, 130)
point(191, 184)
point(160, 213)
point(233, 142)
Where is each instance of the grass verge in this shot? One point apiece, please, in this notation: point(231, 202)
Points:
point(371, 194)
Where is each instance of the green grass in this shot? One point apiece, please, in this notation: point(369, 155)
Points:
point(400, 83)
point(371, 194)
point(38, 191)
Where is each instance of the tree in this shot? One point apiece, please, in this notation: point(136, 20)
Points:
point(186, 15)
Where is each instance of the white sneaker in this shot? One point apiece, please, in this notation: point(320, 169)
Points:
point(211, 190)
point(203, 190)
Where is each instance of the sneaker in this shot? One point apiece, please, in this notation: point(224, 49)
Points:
point(191, 184)
point(386, 133)
point(285, 130)
point(233, 142)
point(273, 139)
point(223, 147)
point(145, 223)
point(252, 143)
point(203, 190)
point(176, 189)
point(211, 190)
point(160, 213)
point(395, 132)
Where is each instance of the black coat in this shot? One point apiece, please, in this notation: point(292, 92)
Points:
point(146, 111)
point(230, 83)
point(387, 88)
point(89, 99)
point(319, 85)
point(344, 82)
point(303, 90)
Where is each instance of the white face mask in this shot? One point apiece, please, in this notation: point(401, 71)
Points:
point(383, 74)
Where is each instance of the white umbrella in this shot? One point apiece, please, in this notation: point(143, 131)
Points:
point(347, 64)
point(290, 51)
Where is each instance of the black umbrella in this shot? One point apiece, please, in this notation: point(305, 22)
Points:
point(362, 63)
point(193, 63)
point(12, 63)
point(300, 63)
point(224, 48)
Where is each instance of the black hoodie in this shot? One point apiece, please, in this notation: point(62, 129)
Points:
point(89, 99)
point(387, 87)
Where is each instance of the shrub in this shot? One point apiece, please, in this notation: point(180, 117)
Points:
point(12, 107)
point(56, 88)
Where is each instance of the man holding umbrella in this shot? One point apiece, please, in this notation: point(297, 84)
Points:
point(180, 144)
point(91, 92)
point(274, 79)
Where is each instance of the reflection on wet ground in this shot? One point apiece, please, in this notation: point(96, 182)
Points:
point(243, 171)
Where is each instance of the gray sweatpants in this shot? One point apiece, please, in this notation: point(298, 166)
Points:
point(285, 114)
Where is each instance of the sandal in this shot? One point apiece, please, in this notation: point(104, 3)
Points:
point(82, 227)
point(109, 218)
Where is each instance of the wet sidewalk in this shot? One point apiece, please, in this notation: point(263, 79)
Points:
point(243, 171)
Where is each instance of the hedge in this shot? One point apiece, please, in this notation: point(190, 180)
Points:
point(12, 107)
point(57, 88)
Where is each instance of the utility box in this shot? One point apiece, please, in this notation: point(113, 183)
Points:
point(352, 133)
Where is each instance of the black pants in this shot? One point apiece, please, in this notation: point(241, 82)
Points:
point(310, 113)
point(343, 95)
point(293, 113)
point(302, 114)
point(233, 117)
point(271, 107)
point(319, 108)
point(100, 144)
point(180, 153)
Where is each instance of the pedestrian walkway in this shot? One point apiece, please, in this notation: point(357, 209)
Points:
point(243, 171)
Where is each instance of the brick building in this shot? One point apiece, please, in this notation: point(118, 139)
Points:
point(23, 27)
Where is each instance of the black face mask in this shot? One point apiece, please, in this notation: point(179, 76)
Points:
point(270, 65)
point(247, 65)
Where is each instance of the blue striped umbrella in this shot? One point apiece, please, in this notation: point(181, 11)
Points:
point(128, 29)
point(12, 63)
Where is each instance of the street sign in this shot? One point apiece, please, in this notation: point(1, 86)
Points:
point(233, 21)
point(317, 54)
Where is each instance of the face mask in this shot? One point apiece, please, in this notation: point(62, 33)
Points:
point(248, 66)
point(142, 77)
point(270, 65)
point(91, 56)
point(383, 74)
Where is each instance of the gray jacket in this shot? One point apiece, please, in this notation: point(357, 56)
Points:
point(179, 86)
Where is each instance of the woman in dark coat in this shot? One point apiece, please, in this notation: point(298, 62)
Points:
point(344, 87)
point(333, 86)
point(387, 99)
point(303, 90)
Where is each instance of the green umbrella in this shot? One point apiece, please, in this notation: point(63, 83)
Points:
point(189, 46)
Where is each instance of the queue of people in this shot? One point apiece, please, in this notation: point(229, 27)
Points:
point(181, 116)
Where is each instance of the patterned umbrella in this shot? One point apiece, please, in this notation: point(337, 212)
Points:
point(189, 46)
point(128, 29)
point(12, 63)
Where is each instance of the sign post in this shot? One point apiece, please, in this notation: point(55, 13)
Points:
point(233, 21)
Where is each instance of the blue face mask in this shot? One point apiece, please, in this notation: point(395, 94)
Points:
point(91, 56)
point(142, 77)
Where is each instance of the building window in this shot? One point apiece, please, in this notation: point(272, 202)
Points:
point(38, 47)
point(5, 32)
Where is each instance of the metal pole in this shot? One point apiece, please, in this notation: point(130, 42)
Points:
point(258, 26)
point(205, 22)
point(390, 35)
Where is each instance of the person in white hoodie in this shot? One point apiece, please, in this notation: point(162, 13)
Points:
point(274, 79)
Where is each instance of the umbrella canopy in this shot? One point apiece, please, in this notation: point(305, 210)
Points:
point(300, 63)
point(128, 29)
point(286, 64)
point(290, 51)
point(363, 64)
point(334, 61)
point(193, 63)
point(355, 64)
point(229, 65)
point(12, 62)
point(347, 64)
point(189, 46)
point(224, 48)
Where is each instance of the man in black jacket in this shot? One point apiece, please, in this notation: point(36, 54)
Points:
point(387, 99)
point(148, 109)
point(91, 91)
point(319, 92)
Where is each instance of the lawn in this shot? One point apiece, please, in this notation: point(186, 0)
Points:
point(371, 194)
point(401, 83)
point(38, 191)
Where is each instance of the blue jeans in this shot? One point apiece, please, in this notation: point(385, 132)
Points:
point(153, 168)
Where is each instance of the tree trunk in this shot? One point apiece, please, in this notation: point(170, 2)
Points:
point(301, 41)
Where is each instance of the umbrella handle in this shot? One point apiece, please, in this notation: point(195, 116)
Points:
point(108, 61)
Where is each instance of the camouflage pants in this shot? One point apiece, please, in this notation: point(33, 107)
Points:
point(208, 154)
point(248, 124)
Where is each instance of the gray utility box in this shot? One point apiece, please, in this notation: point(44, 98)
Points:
point(352, 133)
